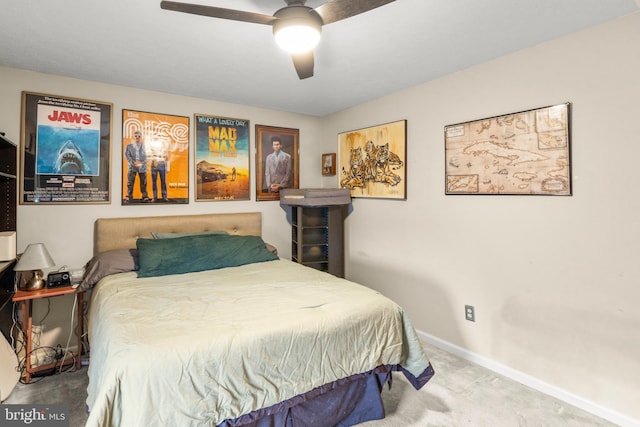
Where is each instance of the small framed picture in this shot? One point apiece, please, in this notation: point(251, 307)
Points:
point(329, 164)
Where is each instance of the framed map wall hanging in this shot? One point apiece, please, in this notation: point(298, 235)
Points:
point(525, 153)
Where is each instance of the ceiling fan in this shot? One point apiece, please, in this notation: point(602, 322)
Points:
point(296, 27)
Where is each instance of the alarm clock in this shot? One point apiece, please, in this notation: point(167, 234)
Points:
point(58, 279)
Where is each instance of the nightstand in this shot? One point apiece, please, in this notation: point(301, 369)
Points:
point(26, 298)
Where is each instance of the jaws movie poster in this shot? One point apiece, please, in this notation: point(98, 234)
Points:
point(222, 158)
point(65, 150)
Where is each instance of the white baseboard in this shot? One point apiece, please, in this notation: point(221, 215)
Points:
point(532, 382)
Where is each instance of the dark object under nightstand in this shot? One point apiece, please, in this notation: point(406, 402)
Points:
point(26, 298)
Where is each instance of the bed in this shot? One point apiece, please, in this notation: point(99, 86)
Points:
point(195, 321)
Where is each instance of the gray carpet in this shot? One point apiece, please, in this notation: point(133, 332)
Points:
point(460, 394)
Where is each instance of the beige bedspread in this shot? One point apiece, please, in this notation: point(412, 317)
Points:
point(198, 348)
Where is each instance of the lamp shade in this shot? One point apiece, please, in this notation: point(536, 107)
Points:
point(35, 257)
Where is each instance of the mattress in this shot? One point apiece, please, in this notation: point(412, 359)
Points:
point(199, 348)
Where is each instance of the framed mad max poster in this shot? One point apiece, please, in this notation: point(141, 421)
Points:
point(155, 158)
point(372, 161)
point(65, 150)
point(221, 158)
point(276, 161)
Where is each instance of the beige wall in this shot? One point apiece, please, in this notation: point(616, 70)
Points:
point(67, 230)
point(554, 280)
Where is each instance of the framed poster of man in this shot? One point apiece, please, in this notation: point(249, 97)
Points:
point(276, 161)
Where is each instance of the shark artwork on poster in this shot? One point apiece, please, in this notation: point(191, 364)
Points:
point(66, 150)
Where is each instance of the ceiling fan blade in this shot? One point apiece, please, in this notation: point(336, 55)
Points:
point(218, 12)
point(304, 64)
point(337, 10)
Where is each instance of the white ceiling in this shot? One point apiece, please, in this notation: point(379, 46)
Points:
point(135, 43)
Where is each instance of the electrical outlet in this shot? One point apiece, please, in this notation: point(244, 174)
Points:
point(470, 313)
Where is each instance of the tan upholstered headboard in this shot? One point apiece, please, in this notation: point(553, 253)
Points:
point(121, 233)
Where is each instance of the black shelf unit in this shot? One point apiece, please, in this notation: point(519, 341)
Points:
point(8, 184)
point(8, 222)
point(317, 238)
point(317, 228)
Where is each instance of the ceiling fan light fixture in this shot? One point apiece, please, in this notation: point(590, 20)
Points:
point(297, 38)
point(297, 29)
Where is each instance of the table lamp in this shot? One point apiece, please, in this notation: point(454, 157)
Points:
point(34, 259)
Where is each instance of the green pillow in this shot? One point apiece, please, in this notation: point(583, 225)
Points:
point(160, 257)
point(157, 235)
